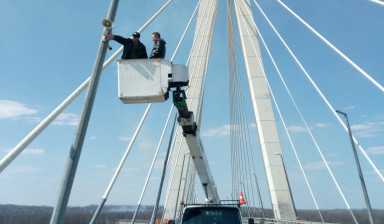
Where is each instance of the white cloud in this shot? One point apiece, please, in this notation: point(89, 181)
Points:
point(39, 152)
point(100, 166)
point(368, 129)
point(147, 145)
point(23, 169)
point(218, 132)
point(130, 169)
point(159, 164)
point(376, 150)
point(332, 155)
point(34, 151)
point(32, 119)
point(373, 173)
point(297, 129)
point(349, 108)
point(321, 166)
point(124, 138)
point(322, 125)
point(362, 127)
point(13, 109)
point(66, 119)
point(92, 137)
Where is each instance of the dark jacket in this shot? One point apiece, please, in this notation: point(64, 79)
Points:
point(158, 50)
point(130, 51)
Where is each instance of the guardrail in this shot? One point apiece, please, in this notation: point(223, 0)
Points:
point(258, 220)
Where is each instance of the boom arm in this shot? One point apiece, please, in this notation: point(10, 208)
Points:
point(192, 137)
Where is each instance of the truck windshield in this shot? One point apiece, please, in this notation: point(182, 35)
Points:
point(211, 215)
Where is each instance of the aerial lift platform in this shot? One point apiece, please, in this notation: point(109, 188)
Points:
point(151, 81)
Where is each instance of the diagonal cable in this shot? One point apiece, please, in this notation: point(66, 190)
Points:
point(56, 112)
point(185, 31)
point(284, 124)
point(378, 85)
point(239, 122)
point(334, 179)
point(152, 165)
point(120, 166)
point(378, 2)
point(319, 92)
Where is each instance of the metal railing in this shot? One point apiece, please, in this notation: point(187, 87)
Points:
point(258, 220)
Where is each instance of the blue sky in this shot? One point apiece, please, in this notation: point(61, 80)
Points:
point(48, 49)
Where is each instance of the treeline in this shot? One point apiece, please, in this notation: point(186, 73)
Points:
point(17, 214)
point(13, 214)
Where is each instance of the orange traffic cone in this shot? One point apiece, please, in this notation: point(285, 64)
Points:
point(242, 201)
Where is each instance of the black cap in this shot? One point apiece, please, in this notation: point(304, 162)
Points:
point(136, 34)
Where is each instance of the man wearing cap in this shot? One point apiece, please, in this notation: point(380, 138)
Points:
point(133, 48)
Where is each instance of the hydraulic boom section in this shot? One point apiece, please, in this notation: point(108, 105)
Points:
point(196, 149)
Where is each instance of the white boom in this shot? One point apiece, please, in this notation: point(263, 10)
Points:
point(196, 149)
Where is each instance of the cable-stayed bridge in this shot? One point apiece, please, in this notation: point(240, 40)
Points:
point(243, 107)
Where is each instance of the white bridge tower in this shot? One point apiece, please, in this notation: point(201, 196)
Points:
point(281, 197)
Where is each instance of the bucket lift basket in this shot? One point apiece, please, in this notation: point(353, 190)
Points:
point(148, 80)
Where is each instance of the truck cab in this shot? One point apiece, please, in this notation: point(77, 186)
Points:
point(211, 214)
